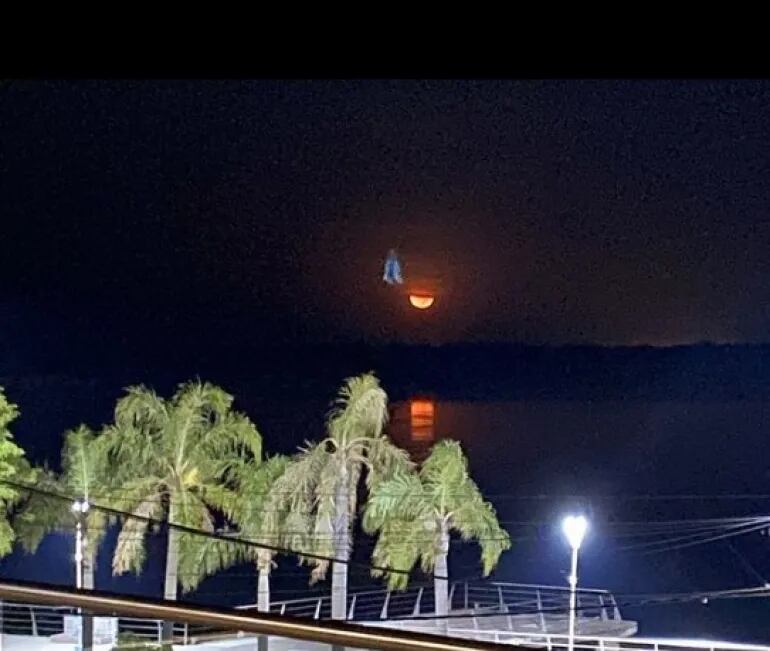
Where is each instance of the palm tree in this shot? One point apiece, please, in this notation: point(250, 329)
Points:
point(83, 476)
point(259, 522)
point(319, 489)
point(174, 457)
point(256, 523)
point(13, 467)
point(414, 514)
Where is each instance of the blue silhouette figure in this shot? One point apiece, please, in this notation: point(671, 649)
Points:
point(392, 274)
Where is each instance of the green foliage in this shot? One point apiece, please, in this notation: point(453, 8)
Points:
point(13, 467)
point(252, 514)
point(309, 491)
point(130, 642)
point(84, 475)
point(180, 456)
point(256, 522)
point(412, 511)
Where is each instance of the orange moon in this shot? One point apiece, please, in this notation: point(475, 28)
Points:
point(421, 301)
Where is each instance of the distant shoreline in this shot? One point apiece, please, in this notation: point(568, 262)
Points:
point(451, 371)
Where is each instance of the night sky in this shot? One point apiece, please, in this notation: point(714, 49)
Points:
point(165, 230)
point(610, 212)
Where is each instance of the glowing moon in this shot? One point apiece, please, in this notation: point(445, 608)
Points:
point(421, 301)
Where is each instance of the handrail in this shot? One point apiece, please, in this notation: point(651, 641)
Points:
point(511, 597)
point(624, 643)
point(348, 635)
point(555, 588)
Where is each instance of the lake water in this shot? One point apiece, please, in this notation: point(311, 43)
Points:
point(537, 454)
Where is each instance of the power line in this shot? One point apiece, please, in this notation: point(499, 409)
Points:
point(745, 562)
point(211, 534)
point(703, 535)
point(703, 541)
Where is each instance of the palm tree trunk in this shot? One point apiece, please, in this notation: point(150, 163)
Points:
point(440, 579)
point(263, 597)
point(341, 547)
point(172, 564)
point(88, 568)
point(263, 589)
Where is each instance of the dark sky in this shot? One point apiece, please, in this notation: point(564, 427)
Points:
point(614, 212)
point(168, 219)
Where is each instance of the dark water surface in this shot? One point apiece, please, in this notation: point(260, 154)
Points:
point(629, 436)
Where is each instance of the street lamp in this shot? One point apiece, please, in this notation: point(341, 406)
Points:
point(574, 527)
point(79, 508)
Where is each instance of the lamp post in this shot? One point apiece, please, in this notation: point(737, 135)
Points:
point(80, 509)
point(574, 527)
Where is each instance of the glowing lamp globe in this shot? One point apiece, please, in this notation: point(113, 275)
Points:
point(574, 527)
point(421, 301)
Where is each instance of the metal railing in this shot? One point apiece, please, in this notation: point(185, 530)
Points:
point(28, 619)
point(602, 643)
point(541, 606)
point(220, 619)
point(509, 598)
point(46, 621)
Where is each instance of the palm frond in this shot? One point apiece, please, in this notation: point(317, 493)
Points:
point(130, 551)
point(227, 445)
point(40, 514)
point(80, 462)
point(139, 408)
point(201, 556)
point(442, 492)
point(477, 520)
point(255, 484)
point(385, 460)
point(12, 462)
point(402, 497)
point(402, 543)
point(97, 522)
point(360, 410)
point(326, 535)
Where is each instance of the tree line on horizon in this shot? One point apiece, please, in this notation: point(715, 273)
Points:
point(191, 460)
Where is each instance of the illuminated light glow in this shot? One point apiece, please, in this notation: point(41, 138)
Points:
point(421, 415)
point(575, 527)
point(421, 301)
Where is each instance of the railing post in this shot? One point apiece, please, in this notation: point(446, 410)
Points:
point(416, 610)
point(318, 608)
point(466, 596)
point(160, 630)
point(384, 612)
point(86, 631)
point(602, 609)
point(543, 623)
point(33, 620)
point(616, 610)
point(500, 597)
point(283, 609)
point(451, 594)
point(352, 607)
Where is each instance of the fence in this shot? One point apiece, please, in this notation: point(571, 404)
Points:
point(256, 624)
